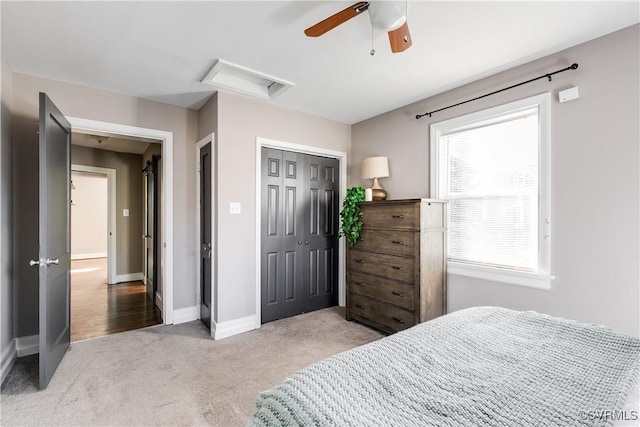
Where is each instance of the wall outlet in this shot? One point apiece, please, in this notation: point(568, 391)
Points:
point(234, 208)
point(125, 212)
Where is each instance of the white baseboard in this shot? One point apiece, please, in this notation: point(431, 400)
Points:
point(183, 315)
point(88, 256)
point(26, 346)
point(232, 327)
point(8, 358)
point(131, 277)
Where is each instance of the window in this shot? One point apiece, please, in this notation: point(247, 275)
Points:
point(492, 167)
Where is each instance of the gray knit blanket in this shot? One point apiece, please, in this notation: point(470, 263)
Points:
point(483, 366)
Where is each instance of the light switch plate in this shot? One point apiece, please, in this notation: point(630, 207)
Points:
point(234, 208)
point(125, 212)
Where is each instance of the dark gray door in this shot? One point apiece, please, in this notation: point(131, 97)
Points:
point(299, 248)
point(151, 231)
point(282, 234)
point(54, 258)
point(321, 263)
point(205, 235)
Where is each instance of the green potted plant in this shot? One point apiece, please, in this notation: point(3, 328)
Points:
point(350, 215)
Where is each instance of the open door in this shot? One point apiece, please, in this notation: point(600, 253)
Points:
point(151, 228)
point(205, 235)
point(54, 260)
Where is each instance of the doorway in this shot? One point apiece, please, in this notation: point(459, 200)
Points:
point(165, 139)
point(299, 259)
point(108, 283)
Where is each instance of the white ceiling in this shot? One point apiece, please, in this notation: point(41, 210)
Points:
point(161, 50)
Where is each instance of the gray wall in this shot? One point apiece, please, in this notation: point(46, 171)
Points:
point(239, 121)
point(6, 213)
point(128, 196)
point(84, 102)
point(595, 165)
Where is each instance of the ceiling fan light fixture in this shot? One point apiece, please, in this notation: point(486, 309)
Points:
point(387, 15)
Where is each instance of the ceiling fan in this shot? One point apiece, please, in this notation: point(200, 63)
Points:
point(387, 16)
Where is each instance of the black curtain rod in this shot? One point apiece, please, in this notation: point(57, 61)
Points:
point(548, 76)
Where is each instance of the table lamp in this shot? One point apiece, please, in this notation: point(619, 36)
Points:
point(374, 168)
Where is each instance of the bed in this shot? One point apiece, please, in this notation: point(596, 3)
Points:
point(479, 366)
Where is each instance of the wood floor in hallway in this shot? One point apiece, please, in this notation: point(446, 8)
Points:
point(99, 309)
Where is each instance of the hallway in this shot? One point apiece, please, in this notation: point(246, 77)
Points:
point(99, 309)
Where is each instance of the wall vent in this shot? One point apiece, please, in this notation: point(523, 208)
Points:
point(245, 81)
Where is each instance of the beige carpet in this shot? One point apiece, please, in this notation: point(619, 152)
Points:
point(174, 375)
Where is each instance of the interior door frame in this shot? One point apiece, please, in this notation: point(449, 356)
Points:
point(112, 260)
point(166, 142)
point(211, 138)
point(304, 149)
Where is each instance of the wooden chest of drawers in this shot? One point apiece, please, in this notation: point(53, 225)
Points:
point(396, 273)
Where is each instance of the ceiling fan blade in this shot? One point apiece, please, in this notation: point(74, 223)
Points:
point(334, 20)
point(400, 39)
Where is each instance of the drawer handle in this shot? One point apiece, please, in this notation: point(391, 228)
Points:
point(361, 307)
point(358, 283)
point(397, 216)
point(398, 320)
point(397, 242)
point(395, 267)
point(360, 261)
point(400, 294)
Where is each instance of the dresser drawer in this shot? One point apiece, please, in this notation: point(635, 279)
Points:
point(390, 291)
point(389, 216)
point(391, 266)
point(392, 242)
point(389, 316)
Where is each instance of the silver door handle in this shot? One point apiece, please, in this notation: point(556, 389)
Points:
point(50, 261)
point(33, 263)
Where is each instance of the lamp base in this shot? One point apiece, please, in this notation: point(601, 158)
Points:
point(379, 194)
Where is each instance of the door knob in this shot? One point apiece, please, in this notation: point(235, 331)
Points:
point(306, 242)
point(299, 242)
point(33, 263)
point(50, 261)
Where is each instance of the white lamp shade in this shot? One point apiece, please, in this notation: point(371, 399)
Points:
point(375, 167)
point(387, 15)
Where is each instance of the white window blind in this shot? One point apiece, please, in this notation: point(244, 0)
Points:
point(492, 167)
point(490, 177)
